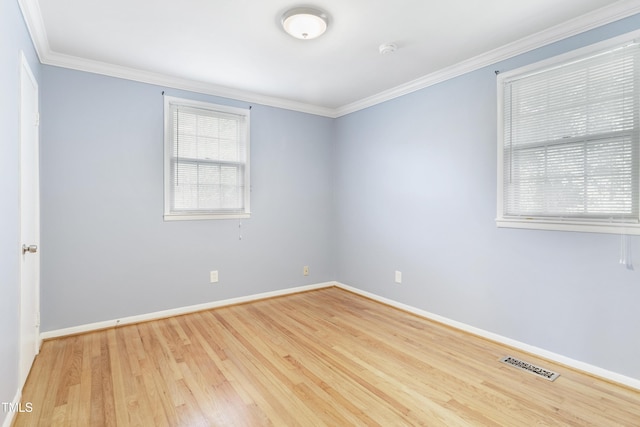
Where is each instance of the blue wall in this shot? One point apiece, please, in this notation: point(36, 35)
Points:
point(416, 191)
point(14, 38)
point(107, 253)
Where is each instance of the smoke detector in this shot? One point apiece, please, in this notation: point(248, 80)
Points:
point(387, 48)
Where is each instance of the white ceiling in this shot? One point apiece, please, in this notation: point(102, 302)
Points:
point(237, 48)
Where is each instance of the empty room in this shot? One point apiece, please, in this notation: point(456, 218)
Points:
point(254, 213)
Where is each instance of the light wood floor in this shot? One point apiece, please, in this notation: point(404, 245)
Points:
point(325, 357)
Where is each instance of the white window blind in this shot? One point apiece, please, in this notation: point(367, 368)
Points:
point(570, 140)
point(206, 160)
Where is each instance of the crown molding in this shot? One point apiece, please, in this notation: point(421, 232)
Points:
point(168, 81)
point(35, 25)
point(33, 18)
point(619, 10)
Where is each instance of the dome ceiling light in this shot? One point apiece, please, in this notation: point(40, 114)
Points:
point(305, 23)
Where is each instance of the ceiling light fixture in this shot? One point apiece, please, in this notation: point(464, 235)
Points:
point(305, 23)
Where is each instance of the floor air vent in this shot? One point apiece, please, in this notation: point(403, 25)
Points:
point(536, 370)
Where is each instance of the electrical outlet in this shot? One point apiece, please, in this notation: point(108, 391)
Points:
point(398, 277)
point(305, 270)
point(213, 276)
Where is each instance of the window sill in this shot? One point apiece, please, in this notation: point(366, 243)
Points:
point(569, 225)
point(199, 217)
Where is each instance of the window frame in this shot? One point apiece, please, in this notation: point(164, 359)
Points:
point(178, 215)
point(557, 223)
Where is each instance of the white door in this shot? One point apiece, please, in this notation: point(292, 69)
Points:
point(29, 221)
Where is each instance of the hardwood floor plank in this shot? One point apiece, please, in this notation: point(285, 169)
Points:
point(153, 385)
point(317, 355)
point(321, 358)
point(266, 380)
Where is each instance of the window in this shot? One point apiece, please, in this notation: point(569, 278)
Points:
point(206, 170)
point(568, 142)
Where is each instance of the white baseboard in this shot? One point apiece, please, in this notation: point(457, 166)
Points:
point(572, 363)
point(10, 414)
point(576, 364)
point(177, 311)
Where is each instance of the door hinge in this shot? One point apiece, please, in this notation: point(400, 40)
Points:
point(38, 319)
point(37, 119)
